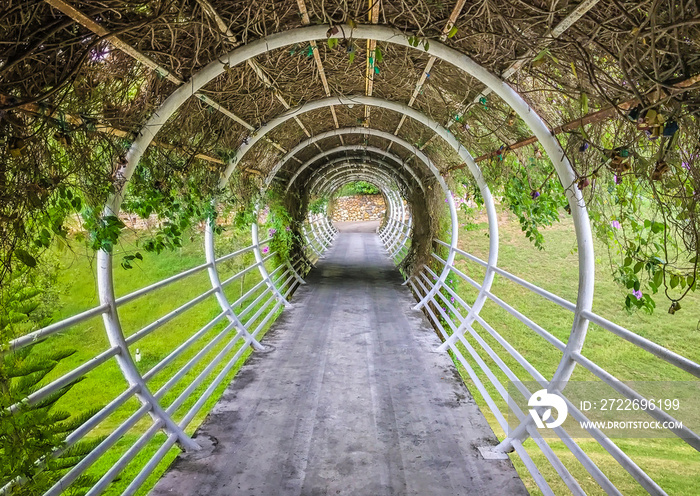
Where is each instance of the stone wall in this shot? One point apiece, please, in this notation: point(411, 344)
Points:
point(358, 208)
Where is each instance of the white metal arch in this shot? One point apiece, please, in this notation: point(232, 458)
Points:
point(368, 131)
point(329, 169)
point(363, 148)
point(461, 61)
point(340, 162)
point(323, 188)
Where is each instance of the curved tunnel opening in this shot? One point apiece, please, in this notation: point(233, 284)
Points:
point(291, 234)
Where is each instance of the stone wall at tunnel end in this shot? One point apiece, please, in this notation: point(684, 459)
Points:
point(357, 208)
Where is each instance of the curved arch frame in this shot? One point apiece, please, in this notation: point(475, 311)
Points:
point(336, 164)
point(365, 148)
point(461, 61)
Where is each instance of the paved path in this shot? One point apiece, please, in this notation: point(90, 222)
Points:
point(350, 402)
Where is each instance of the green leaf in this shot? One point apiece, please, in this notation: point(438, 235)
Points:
point(638, 266)
point(658, 277)
point(426, 45)
point(657, 227)
point(25, 258)
point(584, 102)
point(378, 57)
point(675, 280)
point(452, 32)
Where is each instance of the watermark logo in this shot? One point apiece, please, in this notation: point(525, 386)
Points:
point(543, 399)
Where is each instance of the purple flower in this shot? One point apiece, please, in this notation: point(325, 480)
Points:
point(266, 249)
point(534, 194)
point(637, 294)
point(452, 299)
point(616, 224)
point(287, 228)
point(272, 231)
point(685, 165)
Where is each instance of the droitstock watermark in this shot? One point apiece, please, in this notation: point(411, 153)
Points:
point(580, 409)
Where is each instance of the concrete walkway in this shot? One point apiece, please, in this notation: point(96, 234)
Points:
point(350, 402)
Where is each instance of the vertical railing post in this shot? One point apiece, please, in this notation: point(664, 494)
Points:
point(105, 288)
point(216, 284)
point(261, 265)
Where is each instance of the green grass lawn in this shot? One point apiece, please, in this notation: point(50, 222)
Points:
point(670, 462)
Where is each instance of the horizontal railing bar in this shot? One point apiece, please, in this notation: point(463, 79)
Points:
point(553, 459)
point(267, 318)
point(235, 254)
point(268, 257)
point(521, 317)
point(197, 381)
point(177, 351)
point(160, 284)
point(532, 468)
point(279, 276)
point(96, 419)
point(146, 471)
point(655, 349)
point(138, 335)
point(239, 274)
point(522, 282)
point(457, 298)
point(271, 274)
point(214, 384)
point(457, 271)
point(445, 301)
point(63, 484)
point(33, 337)
point(125, 459)
point(549, 337)
point(620, 456)
point(503, 342)
point(260, 310)
point(195, 359)
point(475, 378)
point(66, 379)
point(665, 354)
point(294, 284)
point(471, 257)
point(684, 433)
point(79, 432)
point(248, 293)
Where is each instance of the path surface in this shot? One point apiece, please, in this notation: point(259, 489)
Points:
point(350, 402)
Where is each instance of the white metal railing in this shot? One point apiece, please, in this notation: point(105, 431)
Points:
point(484, 364)
point(186, 377)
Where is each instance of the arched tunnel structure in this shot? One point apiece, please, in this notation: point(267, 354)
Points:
point(417, 196)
